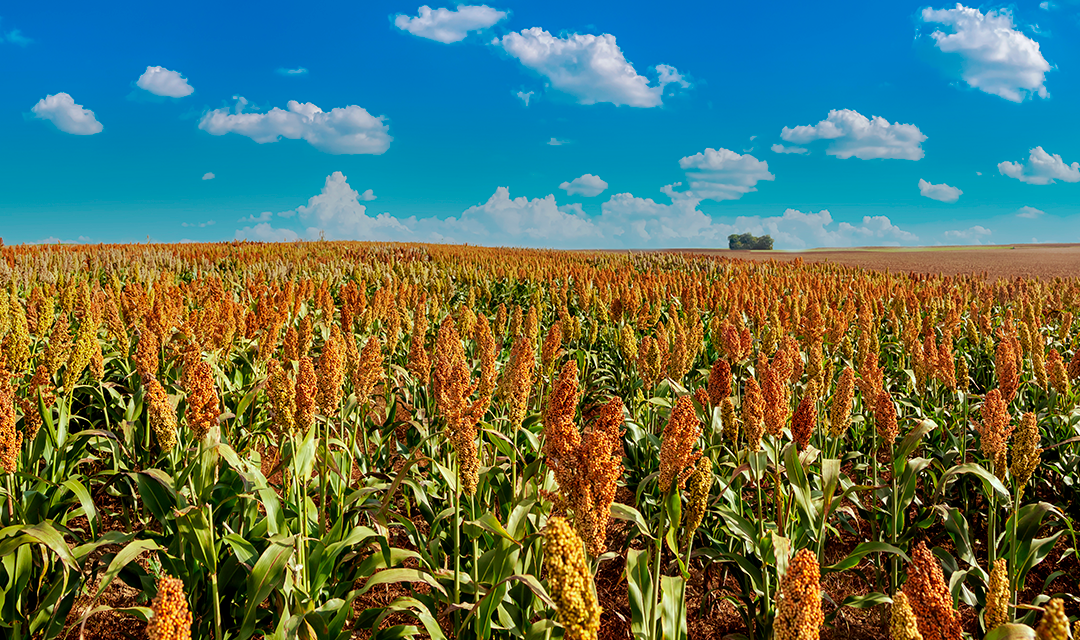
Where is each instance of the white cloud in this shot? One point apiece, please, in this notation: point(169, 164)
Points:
point(995, 57)
point(853, 134)
point(779, 148)
point(445, 25)
point(972, 235)
point(299, 71)
point(265, 216)
point(941, 192)
point(337, 213)
point(721, 174)
point(264, 232)
point(1045, 6)
point(14, 36)
point(347, 130)
point(61, 110)
point(524, 96)
point(1029, 212)
point(587, 185)
point(208, 176)
point(162, 82)
point(208, 223)
point(555, 142)
point(1041, 168)
point(521, 221)
point(367, 195)
point(587, 67)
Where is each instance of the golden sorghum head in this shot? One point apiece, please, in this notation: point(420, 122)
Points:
point(697, 496)
point(753, 412)
point(419, 362)
point(282, 394)
point(291, 345)
point(147, 354)
point(1054, 624)
point(485, 351)
point(963, 377)
point(677, 455)
point(799, 615)
point(649, 361)
point(840, 412)
point(516, 322)
point(1005, 364)
point(902, 625)
point(306, 391)
point(628, 344)
point(730, 422)
point(774, 390)
point(369, 371)
point(569, 581)
point(161, 413)
point(1059, 378)
point(719, 382)
point(561, 436)
point(996, 612)
point(532, 324)
point(995, 429)
point(10, 439)
point(331, 374)
point(171, 619)
point(202, 399)
point(304, 338)
point(518, 376)
point(59, 344)
point(17, 341)
point(804, 422)
point(929, 596)
point(40, 386)
point(885, 419)
point(500, 320)
point(551, 349)
point(1026, 451)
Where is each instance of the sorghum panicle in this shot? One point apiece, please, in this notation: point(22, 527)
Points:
point(569, 581)
point(930, 599)
point(172, 618)
point(840, 412)
point(799, 615)
point(996, 612)
point(161, 413)
point(307, 389)
point(1054, 624)
point(677, 455)
point(902, 623)
point(719, 382)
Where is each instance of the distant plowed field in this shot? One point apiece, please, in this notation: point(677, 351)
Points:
point(1006, 261)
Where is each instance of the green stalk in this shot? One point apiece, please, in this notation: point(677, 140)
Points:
point(214, 578)
point(457, 549)
point(654, 619)
point(894, 561)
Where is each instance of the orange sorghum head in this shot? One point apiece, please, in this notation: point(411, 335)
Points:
point(570, 582)
point(161, 413)
point(172, 618)
point(929, 596)
point(719, 382)
point(677, 455)
point(307, 389)
point(753, 411)
point(840, 412)
point(995, 429)
point(799, 615)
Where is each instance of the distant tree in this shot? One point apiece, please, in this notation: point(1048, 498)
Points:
point(746, 241)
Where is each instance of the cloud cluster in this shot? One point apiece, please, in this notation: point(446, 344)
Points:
point(851, 134)
point(994, 56)
point(61, 110)
point(1041, 168)
point(971, 235)
point(208, 176)
point(589, 68)
point(299, 71)
point(625, 221)
point(163, 82)
point(1029, 212)
point(941, 192)
point(722, 174)
point(587, 185)
point(780, 148)
point(446, 25)
point(348, 130)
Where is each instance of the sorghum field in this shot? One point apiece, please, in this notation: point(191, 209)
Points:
point(334, 440)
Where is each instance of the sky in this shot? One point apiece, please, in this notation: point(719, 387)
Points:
point(542, 124)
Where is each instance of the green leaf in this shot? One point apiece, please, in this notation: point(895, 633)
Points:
point(121, 560)
point(488, 522)
point(989, 481)
point(639, 588)
point(199, 536)
point(862, 550)
point(268, 574)
point(621, 511)
point(1011, 632)
point(673, 607)
point(390, 576)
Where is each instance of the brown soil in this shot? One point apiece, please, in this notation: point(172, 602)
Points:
point(1045, 261)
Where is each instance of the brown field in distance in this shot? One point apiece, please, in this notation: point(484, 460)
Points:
point(1044, 261)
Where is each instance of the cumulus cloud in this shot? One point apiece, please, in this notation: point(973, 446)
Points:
point(348, 130)
point(163, 82)
point(555, 142)
point(524, 96)
point(208, 223)
point(971, 235)
point(299, 71)
point(367, 195)
point(721, 174)
point(265, 232)
point(535, 222)
point(851, 134)
point(587, 185)
point(1041, 168)
point(61, 110)
point(779, 148)
point(941, 192)
point(994, 56)
point(208, 176)
point(1029, 212)
point(589, 68)
point(446, 25)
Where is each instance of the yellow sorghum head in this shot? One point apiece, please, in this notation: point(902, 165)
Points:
point(799, 615)
point(59, 346)
point(282, 394)
point(519, 373)
point(1059, 378)
point(202, 399)
point(1054, 624)
point(17, 342)
point(628, 344)
point(369, 372)
point(551, 349)
point(306, 391)
point(730, 422)
point(697, 496)
point(599, 469)
point(1026, 451)
point(161, 413)
point(41, 385)
point(902, 625)
point(331, 374)
point(885, 419)
point(147, 354)
point(10, 439)
point(804, 422)
point(83, 353)
point(569, 581)
point(419, 362)
point(929, 596)
point(677, 455)
point(172, 618)
point(996, 612)
point(840, 412)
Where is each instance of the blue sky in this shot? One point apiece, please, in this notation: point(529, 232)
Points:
point(863, 124)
